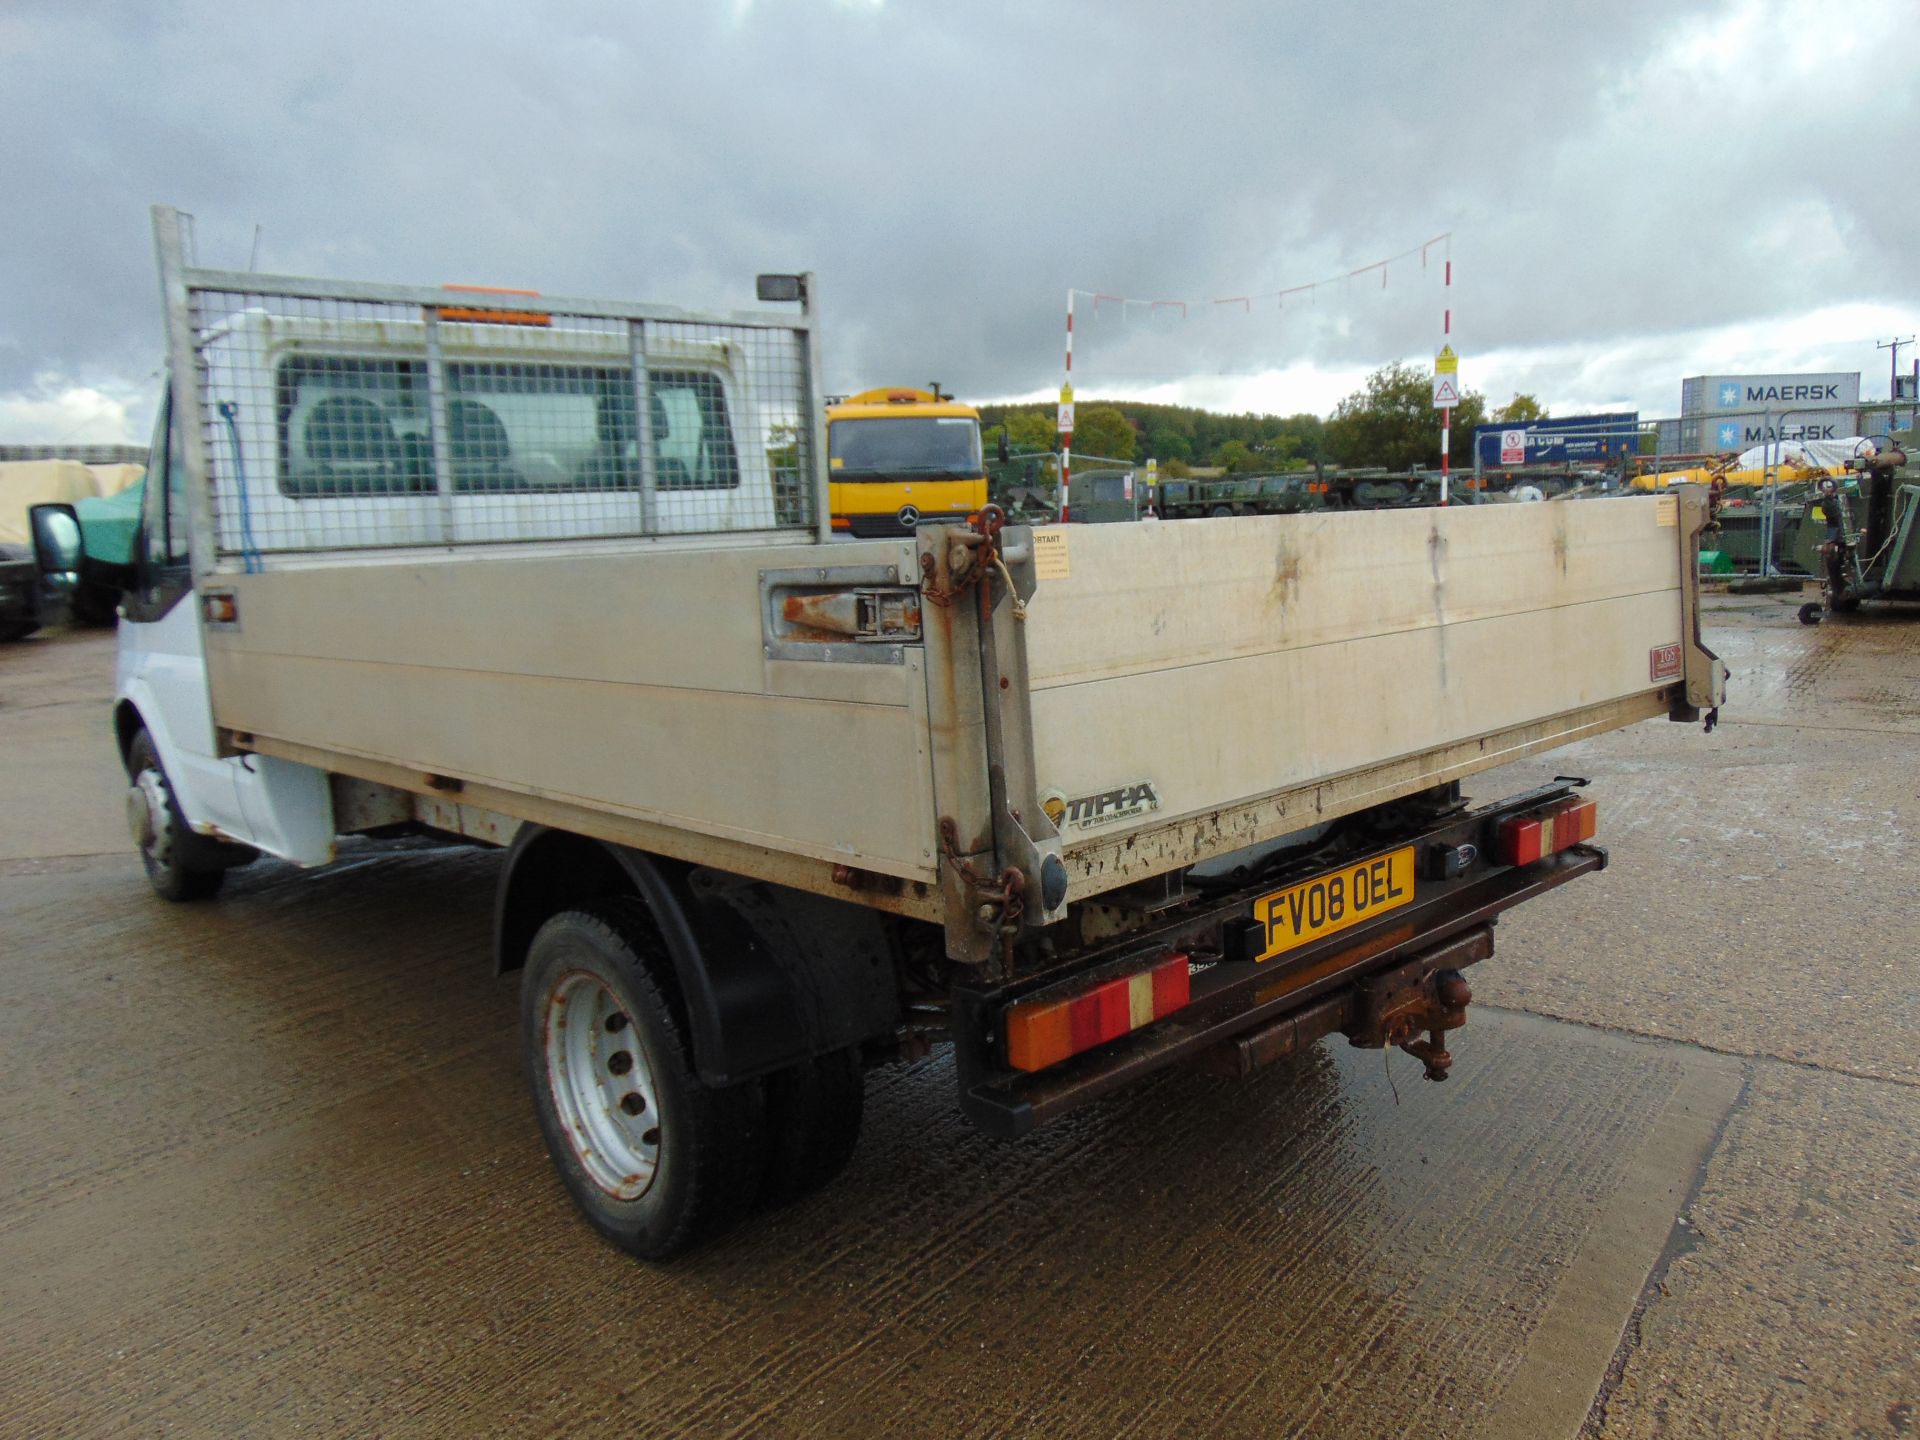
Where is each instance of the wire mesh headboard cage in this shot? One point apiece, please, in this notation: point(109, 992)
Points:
point(336, 415)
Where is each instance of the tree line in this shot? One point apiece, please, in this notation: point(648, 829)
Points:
point(1390, 421)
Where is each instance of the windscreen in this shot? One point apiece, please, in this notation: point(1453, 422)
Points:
point(904, 445)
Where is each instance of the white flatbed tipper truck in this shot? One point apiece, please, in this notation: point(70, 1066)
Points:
point(776, 807)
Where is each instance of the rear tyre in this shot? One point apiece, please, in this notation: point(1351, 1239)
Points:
point(175, 858)
point(656, 1160)
point(1220, 512)
point(1810, 613)
point(814, 1111)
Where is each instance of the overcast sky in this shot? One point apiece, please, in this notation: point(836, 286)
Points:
point(1636, 191)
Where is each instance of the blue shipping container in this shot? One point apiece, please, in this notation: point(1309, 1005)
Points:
point(1554, 442)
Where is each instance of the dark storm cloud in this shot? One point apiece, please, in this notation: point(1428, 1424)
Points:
point(949, 170)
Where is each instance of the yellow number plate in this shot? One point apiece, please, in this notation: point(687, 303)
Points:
point(1334, 901)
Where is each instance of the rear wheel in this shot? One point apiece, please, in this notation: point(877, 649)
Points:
point(1810, 613)
point(814, 1111)
point(656, 1160)
point(176, 859)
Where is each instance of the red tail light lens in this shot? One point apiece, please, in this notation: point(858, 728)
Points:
point(1523, 839)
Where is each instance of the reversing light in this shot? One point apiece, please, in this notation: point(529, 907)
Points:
point(1045, 1032)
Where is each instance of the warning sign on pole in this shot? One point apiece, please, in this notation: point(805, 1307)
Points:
point(1446, 362)
point(1066, 409)
point(1446, 392)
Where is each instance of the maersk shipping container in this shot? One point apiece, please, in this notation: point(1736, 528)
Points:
point(1717, 394)
point(1741, 431)
point(1574, 438)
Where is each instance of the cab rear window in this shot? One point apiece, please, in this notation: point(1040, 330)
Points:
point(361, 426)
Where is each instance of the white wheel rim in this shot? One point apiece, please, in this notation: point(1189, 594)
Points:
point(147, 817)
point(602, 1085)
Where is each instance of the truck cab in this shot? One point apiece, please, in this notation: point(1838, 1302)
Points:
point(900, 457)
point(1105, 496)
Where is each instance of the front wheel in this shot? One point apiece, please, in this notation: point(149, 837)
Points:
point(656, 1160)
point(175, 858)
point(1811, 613)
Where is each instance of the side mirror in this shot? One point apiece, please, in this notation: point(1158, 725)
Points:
point(56, 538)
point(56, 555)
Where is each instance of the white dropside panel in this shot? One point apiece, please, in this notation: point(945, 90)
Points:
point(637, 683)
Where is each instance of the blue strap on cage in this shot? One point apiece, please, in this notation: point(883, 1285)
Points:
point(249, 551)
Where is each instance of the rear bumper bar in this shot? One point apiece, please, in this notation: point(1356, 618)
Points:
point(1245, 1014)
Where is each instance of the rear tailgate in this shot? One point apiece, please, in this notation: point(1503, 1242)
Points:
point(1199, 686)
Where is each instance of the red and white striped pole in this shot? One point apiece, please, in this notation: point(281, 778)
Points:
point(1066, 430)
point(1446, 340)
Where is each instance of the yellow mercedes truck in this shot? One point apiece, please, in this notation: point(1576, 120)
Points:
point(899, 457)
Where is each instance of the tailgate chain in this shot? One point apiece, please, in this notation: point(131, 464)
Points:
point(1000, 902)
point(965, 562)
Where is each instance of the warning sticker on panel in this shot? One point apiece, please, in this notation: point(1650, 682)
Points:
point(1667, 510)
point(1050, 555)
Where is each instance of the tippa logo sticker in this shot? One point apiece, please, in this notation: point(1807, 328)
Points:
point(1105, 807)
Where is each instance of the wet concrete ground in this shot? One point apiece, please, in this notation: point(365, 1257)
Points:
point(267, 1166)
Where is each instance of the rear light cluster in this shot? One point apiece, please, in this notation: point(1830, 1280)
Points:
point(1045, 1032)
point(1526, 838)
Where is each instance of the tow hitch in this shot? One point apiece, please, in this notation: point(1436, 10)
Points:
point(1426, 994)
